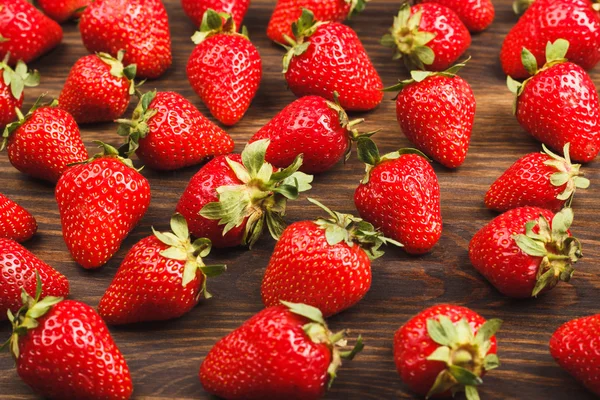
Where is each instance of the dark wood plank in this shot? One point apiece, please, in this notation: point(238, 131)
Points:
point(164, 357)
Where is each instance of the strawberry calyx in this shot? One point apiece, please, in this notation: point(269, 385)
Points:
point(181, 248)
point(137, 128)
point(464, 353)
point(567, 174)
point(118, 70)
point(520, 6)
point(408, 42)
point(356, 6)
point(214, 23)
point(21, 119)
point(261, 197)
point(108, 151)
point(19, 78)
point(302, 29)
point(558, 250)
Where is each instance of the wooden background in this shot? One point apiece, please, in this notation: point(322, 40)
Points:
point(164, 357)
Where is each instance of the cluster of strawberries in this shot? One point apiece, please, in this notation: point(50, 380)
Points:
point(318, 268)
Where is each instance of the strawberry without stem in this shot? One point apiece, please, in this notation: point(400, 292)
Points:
point(477, 15)
point(12, 84)
point(16, 223)
point(195, 9)
point(63, 10)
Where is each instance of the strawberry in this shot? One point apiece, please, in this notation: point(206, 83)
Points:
point(232, 198)
point(18, 269)
point(140, 27)
point(324, 263)
point(477, 15)
point(526, 251)
point(446, 349)
point(224, 69)
point(44, 142)
point(544, 180)
point(574, 347)
point(63, 350)
point(98, 88)
point(195, 9)
point(427, 36)
point(328, 57)
point(577, 21)
point(162, 277)
point(16, 223)
point(287, 350)
point(11, 89)
point(435, 111)
point(168, 132)
point(287, 12)
point(25, 33)
point(570, 111)
point(400, 195)
point(63, 10)
point(100, 201)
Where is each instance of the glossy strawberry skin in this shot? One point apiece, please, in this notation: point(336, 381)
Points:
point(274, 350)
point(477, 15)
point(307, 126)
point(80, 362)
point(62, 10)
point(100, 203)
point(8, 103)
point(402, 199)
point(571, 112)
point(16, 223)
point(574, 347)
point(112, 25)
point(30, 33)
point(437, 115)
point(412, 346)
point(546, 21)
point(225, 71)
point(323, 69)
point(46, 144)
point(195, 9)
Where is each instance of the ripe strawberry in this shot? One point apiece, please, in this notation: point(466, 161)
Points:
point(574, 347)
point(400, 195)
point(100, 201)
point(526, 251)
point(570, 111)
point(140, 27)
point(44, 142)
point(16, 223)
point(328, 57)
point(224, 69)
point(477, 15)
point(324, 263)
point(11, 89)
point(543, 180)
point(25, 33)
point(427, 36)
point(98, 88)
point(63, 350)
point(63, 10)
point(242, 192)
point(446, 349)
point(18, 269)
point(577, 21)
point(435, 111)
point(167, 132)
point(287, 12)
point(287, 350)
point(195, 9)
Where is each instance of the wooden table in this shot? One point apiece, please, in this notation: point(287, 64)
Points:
point(164, 357)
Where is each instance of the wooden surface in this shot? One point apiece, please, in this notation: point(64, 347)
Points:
point(164, 357)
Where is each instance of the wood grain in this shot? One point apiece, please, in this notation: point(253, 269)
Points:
point(164, 357)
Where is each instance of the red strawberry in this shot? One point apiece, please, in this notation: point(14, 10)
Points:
point(543, 180)
point(446, 349)
point(526, 251)
point(11, 89)
point(162, 277)
point(16, 223)
point(574, 347)
point(63, 350)
point(100, 202)
point(287, 12)
point(324, 263)
point(577, 21)
point(232, 198)
point(195, 9)
point(167, 132)
point(427, 36)
point(477, 15)
point(224, 69)
point(436, 112)
point(26, 33)
point(140, 27)
point(98, 88)
point(328, 57)
point(400, 195)
point(287, 350)
point(569, 111)
point(18, 269)
point(63, 10)
point(44, 142)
